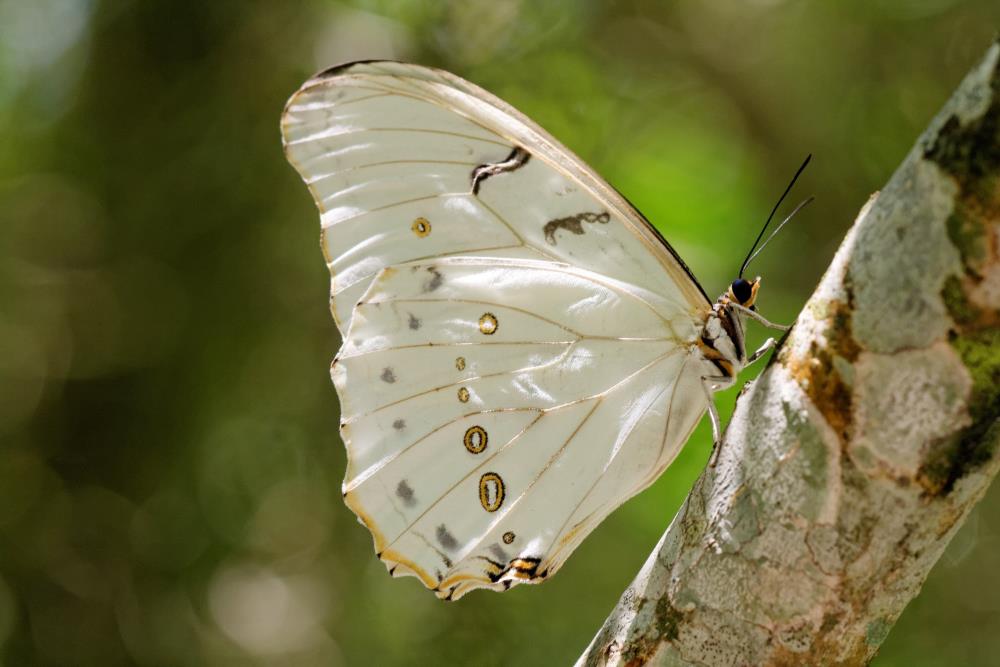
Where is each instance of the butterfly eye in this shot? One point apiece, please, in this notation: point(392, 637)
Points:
point(741, 289)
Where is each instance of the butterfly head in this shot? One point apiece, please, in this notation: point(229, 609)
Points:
point(744, 292)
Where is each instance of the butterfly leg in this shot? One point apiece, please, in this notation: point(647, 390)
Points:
point(707, 383)
point(762, 350)
point(754, 315)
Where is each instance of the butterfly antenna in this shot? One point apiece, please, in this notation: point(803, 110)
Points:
point(752, 254)
point(775, 232)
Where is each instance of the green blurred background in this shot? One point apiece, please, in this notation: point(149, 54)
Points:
point(169, 458)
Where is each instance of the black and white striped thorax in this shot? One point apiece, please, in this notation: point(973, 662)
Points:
point(723, 342)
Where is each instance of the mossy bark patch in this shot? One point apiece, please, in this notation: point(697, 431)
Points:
point(877, 631)
point(820, 375)
point(968, 235)
point(976, 444)
point(666, 623)
point(969, 153)
point(667, 619)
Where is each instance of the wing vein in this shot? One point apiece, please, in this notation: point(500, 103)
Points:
point(472, 472)
point(489, 304)
point(670, 409)
point(384, 163)
point(337, 132)
point(426, 96)
point(376, 209)
point(552, 556)
point(418, 345)
point(380, 465)
point(467, 380)
point(314, 106)
point(552, 459)
point(341, 288)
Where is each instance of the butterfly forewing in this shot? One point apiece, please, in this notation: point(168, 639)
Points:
point(388, 151)
point(518, 354)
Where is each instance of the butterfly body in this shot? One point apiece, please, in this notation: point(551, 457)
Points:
point(522, 351)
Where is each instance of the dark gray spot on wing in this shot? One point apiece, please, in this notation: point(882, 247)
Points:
point(388, 375)
point(573, 224)
point(434, 281)
point(500, 554)
point(405, 493)
point(399, 424)
point(442, 555)
point(446, 539)
point(414, 322)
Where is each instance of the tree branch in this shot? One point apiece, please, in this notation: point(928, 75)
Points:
point(853, 459)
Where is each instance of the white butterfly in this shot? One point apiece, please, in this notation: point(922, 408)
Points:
point(522, 352)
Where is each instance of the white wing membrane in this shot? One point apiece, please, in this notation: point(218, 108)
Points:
point(512, 406)
point(519, 349)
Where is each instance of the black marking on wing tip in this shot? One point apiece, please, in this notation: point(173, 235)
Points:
point(399, 424)
point(387, 375)
point(451, 592)
point(507, 584)
point(405, 493)
point(392, 571)
point(516, 159)
point(378, 554)
point(414, 322)
point(343, 67)
point(434, 281)
point(573, 224)
point(445, 538)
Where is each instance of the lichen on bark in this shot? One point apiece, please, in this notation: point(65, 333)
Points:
point(852, 460)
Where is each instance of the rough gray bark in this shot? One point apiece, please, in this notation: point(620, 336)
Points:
point(853, 459)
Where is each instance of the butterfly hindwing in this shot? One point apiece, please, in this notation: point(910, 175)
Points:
point(492, 436)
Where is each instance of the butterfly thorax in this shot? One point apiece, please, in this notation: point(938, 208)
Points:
point(722, 339)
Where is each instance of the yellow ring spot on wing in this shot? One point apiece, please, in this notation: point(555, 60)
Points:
point(463, 394)
point(508, 537)
point(488, 324)
point(460, 363)
point(491, 479)
point(421, 227)
point(475, 439)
